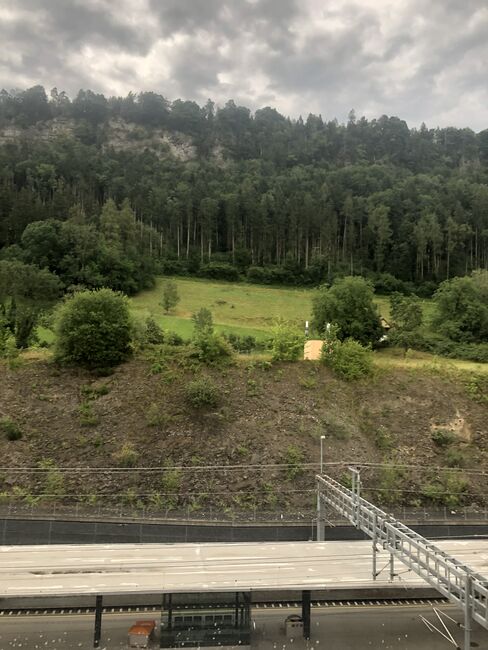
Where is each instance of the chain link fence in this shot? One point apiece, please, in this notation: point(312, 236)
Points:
point(83, 511)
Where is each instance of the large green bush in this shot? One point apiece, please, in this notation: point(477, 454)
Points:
point(462, 308)
point(93, 329)
point(349, 304)
point(348, 359)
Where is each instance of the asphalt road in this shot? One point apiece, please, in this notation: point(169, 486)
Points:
point(156, 568)
point(394, 627)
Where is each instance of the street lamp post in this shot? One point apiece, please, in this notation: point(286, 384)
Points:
point(322, 438)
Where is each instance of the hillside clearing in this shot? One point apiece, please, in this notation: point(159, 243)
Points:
point(238, 307)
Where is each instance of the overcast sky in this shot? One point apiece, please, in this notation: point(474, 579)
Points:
point(423, 60)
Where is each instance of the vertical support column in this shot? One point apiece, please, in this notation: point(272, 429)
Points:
point(356, 493)
point(306, 605)
point(161, 620)
point(169, 605)
point(98, 622)
point(392, 567)
point(375, 570)
point(236, 612)
point(320, 518)
point(467, 612)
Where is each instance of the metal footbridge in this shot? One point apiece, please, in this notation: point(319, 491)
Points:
point(457, 581)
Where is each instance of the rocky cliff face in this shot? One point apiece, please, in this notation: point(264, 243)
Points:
point(116, 134)
point(121, 136)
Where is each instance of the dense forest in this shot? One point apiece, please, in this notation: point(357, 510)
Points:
point(280, 200)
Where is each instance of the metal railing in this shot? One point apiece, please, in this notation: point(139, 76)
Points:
point(453, 579)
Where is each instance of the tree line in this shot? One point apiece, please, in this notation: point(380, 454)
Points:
point(294, 201)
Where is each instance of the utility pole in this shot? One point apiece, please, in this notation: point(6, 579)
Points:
point(320, 518)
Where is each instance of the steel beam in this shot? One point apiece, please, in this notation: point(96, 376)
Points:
point(453, 579)
point(306, 612)
point(98, 622)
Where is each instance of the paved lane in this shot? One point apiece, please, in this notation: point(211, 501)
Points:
point(154, 568)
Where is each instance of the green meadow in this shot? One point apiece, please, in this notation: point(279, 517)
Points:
point(236, 307)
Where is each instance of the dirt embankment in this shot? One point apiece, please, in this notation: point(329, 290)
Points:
point(141, 416)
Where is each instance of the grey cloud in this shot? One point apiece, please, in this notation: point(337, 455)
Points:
point(196, 67)
point(72, 23)
point(187, 15)
point(418, 61)
point(328, 60)
point(224, 17)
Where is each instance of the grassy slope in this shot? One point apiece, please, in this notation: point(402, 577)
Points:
point(239, 307)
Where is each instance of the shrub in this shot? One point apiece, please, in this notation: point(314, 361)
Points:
point(53, 480)
point(385, 283)
point(286, 343)
point(456, 458)
point(442, 437)
point(462, 308)
point(170, 296)
point(219, 271)
point(201, 393)
point(390, 480)
point(202, 320)
point(93, 329)
point(349, 359)
point(441, 346)
point(210, 348)
point(348, 304)
point(127, 456)
point(206, 345)
point(448, 489)
point(243, 344)
point(87, 417)
point(294, 462)
point(12, 354)
point(270, 275)
point(172, 338)
point(11, 429)
point(154, 334)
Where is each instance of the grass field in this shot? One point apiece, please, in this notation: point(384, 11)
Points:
point(394, 358)
point(236, 307)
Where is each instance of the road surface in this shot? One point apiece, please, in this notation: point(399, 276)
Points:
point(69, 570)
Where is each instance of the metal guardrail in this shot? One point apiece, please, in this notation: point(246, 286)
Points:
point(453, 579)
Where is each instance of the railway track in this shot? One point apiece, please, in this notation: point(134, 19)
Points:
point(316, 604)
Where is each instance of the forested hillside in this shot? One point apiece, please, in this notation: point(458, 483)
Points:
point(306, 199)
